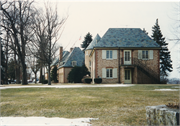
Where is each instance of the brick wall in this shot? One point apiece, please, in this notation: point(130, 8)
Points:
point(103, 63)
point(96, 69)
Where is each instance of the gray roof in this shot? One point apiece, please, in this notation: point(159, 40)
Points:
point(126, 37)
point(56, 60)
point(76, 55)
point(94, 42)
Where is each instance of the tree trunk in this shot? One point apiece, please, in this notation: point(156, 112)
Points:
point(49, 78)
point(41, 78)
point(35, 78)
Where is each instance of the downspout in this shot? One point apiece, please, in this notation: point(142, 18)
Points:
point(119, 66)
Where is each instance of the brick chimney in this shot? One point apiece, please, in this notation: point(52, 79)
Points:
point(71, 49)
point(60, 53)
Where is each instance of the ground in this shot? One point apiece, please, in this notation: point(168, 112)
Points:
point(112, 104)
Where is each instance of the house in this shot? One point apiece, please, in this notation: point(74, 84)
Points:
point(66, 61)
point(124, 55)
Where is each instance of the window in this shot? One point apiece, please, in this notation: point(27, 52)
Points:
point(109, 73)
point(144, 54)
point(74, 63)
point(127, 55)
point(109, 54)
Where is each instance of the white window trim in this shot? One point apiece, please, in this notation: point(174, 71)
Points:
point(109, 55)
point(74, 63)
point(147, 55)
point(109, 73)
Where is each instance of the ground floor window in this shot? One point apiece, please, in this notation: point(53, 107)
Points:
point(109, 73)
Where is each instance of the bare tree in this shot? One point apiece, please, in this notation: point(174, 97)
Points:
point(34, 64)
point(18, 14)
point(46, 28)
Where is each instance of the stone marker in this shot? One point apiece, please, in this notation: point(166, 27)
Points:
point(162, 115)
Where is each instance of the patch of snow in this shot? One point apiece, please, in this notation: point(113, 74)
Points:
point(43, 121)
point(166, 90)
point(70, 86)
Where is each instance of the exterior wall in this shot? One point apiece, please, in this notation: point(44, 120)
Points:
point(61, 75)
point(87, 58)
point(66, 72)
point(153, 64)
point(137, 75)
point(103, 63)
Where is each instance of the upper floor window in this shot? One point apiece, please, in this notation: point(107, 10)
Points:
point(109, 54)
point(145, 54)
point(74, 63)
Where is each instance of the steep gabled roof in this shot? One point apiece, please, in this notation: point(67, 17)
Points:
point(94, 42)
point(76, 55)
point(56, 60)
point(126, 37)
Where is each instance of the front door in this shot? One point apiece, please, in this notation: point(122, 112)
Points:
point(127, 57)
point(127, 76)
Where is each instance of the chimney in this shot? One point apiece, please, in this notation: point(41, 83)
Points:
point(71, 49)
point(60, 53)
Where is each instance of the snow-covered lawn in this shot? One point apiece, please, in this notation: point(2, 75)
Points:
point(43, 121)
point(167, 90)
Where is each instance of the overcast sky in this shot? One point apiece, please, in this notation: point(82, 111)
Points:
point(98, 17)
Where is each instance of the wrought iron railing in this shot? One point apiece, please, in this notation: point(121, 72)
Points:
point(142, 65)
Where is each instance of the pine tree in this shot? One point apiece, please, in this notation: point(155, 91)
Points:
point(87, 41)
point(165, 57)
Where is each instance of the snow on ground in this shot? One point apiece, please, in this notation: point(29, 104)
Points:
point(43, 121)
point(69, 86)
point(167, 90)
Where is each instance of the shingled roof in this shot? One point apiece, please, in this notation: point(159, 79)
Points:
point(76, 55)
point(94, 42)
point(127, 38)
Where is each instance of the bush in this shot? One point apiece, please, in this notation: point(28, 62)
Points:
point(88, 80)
point(45, 81)
point(98, 80)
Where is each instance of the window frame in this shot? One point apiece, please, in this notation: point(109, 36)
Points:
point(109, 54)
point(72, 63)
point(145, 54)
point(109, 74)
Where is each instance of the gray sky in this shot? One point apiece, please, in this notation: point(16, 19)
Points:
point(98, 17)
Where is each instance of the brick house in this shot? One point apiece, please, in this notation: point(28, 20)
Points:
point(68, 59)
point(124, 55)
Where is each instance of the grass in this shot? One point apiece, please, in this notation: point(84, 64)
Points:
point(113, 106)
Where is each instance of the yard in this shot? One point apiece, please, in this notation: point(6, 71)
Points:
point(113, 106)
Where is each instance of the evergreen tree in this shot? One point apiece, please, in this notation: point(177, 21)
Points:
point(165, 57)
point(77, 73)
point(11, 69)
point(87, 41)
point(54, 74)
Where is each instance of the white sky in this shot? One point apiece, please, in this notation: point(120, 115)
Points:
point(98, 17)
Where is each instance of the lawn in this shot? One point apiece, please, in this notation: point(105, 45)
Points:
point(113, 106)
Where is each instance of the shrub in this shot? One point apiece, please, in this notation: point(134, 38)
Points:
point(77, 73)
point(98, 80)
point(88, 80)
point(45, 81)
